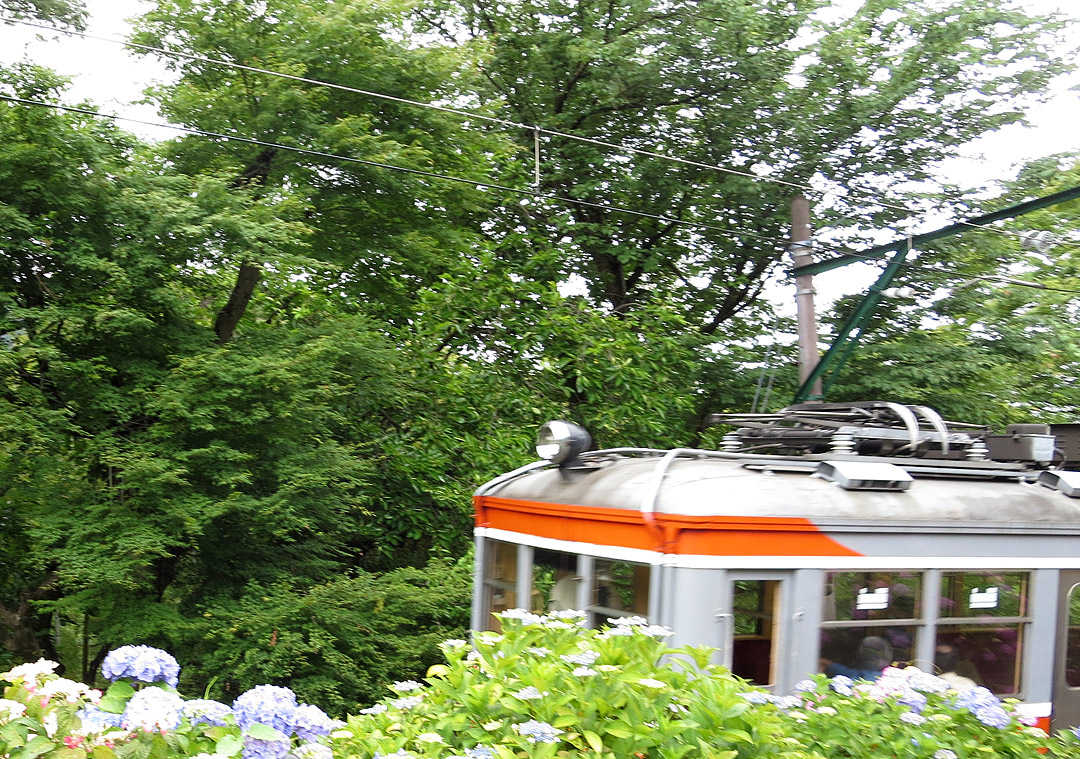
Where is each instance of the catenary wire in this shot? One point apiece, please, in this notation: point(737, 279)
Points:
point(393, 167)
point(491, 119)
point(518, 191)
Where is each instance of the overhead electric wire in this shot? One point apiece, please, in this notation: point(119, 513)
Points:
point(376, 164)
point(488, 185)
point(468, 114)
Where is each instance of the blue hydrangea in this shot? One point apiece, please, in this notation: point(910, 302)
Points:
point(480, 752)
point(913, 699)
point(310, 722)
point(805, 685)
point(842, 684)
point(142, 663)
point(153, 709)
point(973, 698)
point(204, 710)
point(538, 732)
point(756, 697)
point(266, 705)
point(94, 720)
point(993, 716)
point(257, 748)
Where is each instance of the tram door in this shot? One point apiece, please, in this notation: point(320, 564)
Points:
point(1067, 653)
point(750, 627)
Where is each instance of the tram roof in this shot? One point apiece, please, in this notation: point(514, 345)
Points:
point(740, 485)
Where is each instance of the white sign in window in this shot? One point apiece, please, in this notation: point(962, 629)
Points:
point(983, 599)
point(870, 600)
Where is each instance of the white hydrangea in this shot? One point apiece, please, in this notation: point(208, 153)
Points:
point(30, 673)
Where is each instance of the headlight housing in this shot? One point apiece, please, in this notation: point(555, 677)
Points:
point(561, 442)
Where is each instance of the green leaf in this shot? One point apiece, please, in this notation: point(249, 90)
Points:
point(265, 733)
point(230, 745)
point(34, 748)
point(593, 740)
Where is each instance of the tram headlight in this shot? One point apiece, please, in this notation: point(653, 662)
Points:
point(560, 442)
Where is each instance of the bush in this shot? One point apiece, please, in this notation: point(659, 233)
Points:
point(542, 688)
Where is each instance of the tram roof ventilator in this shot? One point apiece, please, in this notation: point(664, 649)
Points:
point(864, 475)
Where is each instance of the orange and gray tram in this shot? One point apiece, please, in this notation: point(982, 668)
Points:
point(812, 533)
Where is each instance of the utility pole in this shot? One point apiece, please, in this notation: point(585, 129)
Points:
point(803, 255)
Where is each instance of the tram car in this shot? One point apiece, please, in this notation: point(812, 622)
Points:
point(812, 534)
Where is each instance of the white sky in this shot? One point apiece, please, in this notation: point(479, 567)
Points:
point(105, 74)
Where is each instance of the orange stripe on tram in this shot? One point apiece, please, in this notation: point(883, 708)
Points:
point(664, 533)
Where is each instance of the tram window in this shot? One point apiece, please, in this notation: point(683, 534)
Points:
point(753, 651)
point(555, 581)
point(1072, 642)
point(870, 620)
point(980, 634)
point(984, 594)
point(500, 579)
point(858, 596)
point(619, 589)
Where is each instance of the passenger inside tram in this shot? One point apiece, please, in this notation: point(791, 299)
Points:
point(873, 655)
point(946, 662)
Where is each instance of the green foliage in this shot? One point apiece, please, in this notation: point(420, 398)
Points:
point(603, 693)
point(338, 644)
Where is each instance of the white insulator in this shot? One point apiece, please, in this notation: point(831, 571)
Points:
point(842, 442)
point(978, 451)
point(730, 442)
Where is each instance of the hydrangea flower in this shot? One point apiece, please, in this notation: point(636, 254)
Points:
point(30, 673)
point(627, 621)
point(311, 722)
point(912, 718)
point(407, 703)
point(583, 672)
point(376, 709)
point(529, 693)
point(266, 705)
point(480, 752)
point(538, 651)
point(758, 697)
point(805, 685)
point(656, 631)
point(404, 686)
point(993, 716)
point(564, 614)
point(524, 616)
point(142, 663)
point(585, 658)
point(842, 684)
point(944, 753)
point(94, 720)
point(538, 732)
point(258, 748)
point(153, 709)
point(205, 710)
point(11, 709)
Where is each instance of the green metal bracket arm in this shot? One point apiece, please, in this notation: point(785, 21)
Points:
point(917, 240)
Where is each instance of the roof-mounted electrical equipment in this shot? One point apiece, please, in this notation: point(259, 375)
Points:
point(1057, 479)
point(864, 475)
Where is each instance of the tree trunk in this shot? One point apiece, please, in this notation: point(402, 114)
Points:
point(229, 316)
